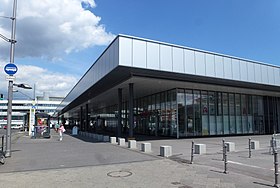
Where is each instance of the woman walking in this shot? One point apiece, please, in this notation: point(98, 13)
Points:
point(61, 130)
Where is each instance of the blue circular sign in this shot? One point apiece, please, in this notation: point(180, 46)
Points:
point(10, 69)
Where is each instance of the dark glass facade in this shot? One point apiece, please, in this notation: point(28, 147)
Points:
point(187, 112)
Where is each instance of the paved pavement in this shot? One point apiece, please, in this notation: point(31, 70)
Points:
point(81, 162)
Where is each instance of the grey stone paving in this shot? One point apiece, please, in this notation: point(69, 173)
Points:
point(77, 163)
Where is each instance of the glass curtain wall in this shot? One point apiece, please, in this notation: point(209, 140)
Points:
point(187, 113)
point(200, 113)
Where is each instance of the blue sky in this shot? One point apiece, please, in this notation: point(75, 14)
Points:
point(248, 29)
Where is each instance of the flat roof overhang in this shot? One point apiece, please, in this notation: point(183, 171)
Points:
point(104, 92)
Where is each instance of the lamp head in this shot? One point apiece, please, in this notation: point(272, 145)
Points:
point(24, 86)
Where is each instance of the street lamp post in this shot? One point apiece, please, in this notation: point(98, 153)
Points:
point(10, 86)
point(9, 117)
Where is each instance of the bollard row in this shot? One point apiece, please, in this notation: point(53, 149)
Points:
point(165, 151)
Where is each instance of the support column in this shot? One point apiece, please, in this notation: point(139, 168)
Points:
point(131, 119)
point(87, 119)
point(81, 119)
point(119, 113)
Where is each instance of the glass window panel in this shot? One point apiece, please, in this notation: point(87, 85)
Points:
point(183, 129)
point(153, 102)
point(173, 113)
point(226, 113)
point(238, 114)
point(204, 112)
point(250, 114)
point(197, 112)
point(168, 113)
point(232, 127)
point(158, 101)
point(219, 114)
point(189, 110)
point(212, 112)
point(244, 107)
point(163, 119)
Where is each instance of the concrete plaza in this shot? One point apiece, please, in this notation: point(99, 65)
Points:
point(82, 162)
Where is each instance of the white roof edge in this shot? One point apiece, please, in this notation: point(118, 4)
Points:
point(199, 50)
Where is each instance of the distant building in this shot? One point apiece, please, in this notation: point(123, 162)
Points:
point(21, 108)
point(141, 86)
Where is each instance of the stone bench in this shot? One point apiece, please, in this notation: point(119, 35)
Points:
point(199, 149)
point(113, 140)
point(132, 144)
point(121, 141)
point(165, 151)
point(146, 147)
point(230, 146)
point(255, 144)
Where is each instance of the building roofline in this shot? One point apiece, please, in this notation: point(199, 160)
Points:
point(198, 50)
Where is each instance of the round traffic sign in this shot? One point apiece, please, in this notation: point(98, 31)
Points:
point(10, 69)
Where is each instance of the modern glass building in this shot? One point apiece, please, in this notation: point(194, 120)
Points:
point(140, 86)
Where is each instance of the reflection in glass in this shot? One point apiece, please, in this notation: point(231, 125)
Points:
point(189, 110)
point(212, 112)
point(225, 113)
point(219, 114)
point(238, 114)
point(197, 114)
point(244, 107)
point(204, 112)
point(181, 113)
point(232, 123)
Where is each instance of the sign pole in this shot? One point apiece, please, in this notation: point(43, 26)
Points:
point(10, 87)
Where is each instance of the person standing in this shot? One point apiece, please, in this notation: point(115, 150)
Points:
point(61, 130)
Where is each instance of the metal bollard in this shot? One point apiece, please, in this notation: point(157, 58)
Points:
point(225, 159)
point(192, 151)
point(223, 146)
point(276, 173)
point(250, 148)
point(2, 143)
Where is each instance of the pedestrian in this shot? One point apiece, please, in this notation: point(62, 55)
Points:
point(56, 127)
point(61, 130)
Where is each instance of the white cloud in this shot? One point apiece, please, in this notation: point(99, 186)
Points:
point(49, 28)
point(56, 84)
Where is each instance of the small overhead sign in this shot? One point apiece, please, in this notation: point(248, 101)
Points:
point(10, 78)
point(10, 69)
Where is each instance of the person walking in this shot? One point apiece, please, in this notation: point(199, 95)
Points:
point(61, 130)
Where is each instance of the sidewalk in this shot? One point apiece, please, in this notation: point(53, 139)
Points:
point(77, 163)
